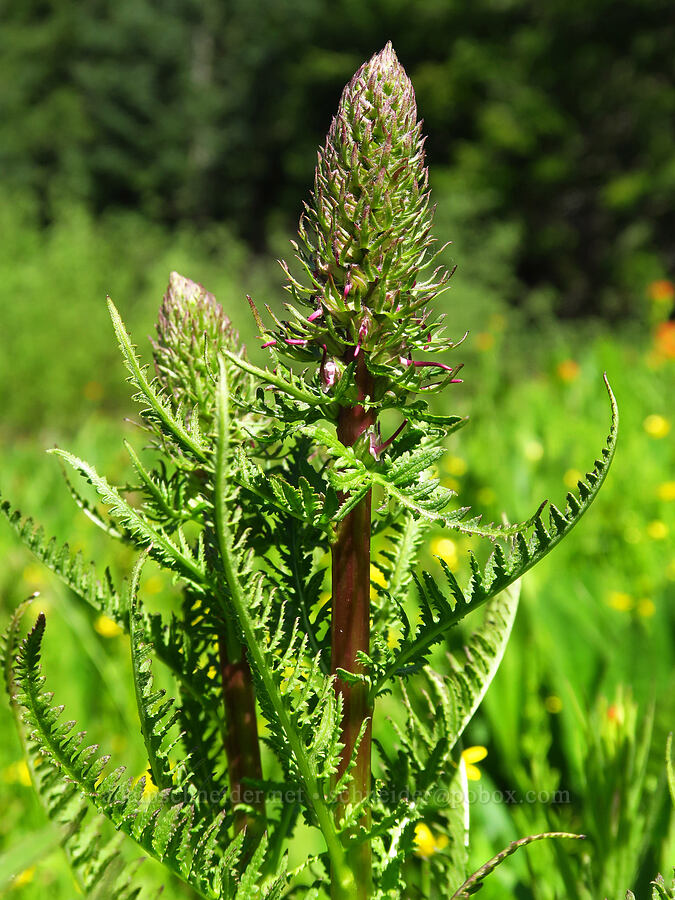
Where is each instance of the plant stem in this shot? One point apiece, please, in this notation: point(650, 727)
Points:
point(342, 879)
point(242, 746)
point(350, 632)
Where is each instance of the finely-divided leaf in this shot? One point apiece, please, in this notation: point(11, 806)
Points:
point(283, 380)
point(299, 501)
point(474, 668)
point(156, 714)
point(158, 410)
point(660, 890)
point(441, 611)
point(421, 765)
point(97, 866)
point(196, 851)
point(71, 568)
point(147, 536)
point(409, 480)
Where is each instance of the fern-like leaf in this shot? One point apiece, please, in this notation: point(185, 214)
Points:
point(156, 714)
point(146, 535)
point(70, 770)
point(158, 410)
point(440, 611)
point(71, 568)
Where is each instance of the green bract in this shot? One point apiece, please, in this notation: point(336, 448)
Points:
point(253, 479)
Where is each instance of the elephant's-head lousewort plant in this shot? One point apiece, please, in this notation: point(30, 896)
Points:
point(253, 479)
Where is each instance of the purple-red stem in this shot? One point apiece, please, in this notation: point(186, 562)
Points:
point(242, 746)
point(350, 628)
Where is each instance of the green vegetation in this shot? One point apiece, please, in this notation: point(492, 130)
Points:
point(576, 720)
point(558, 120)
point(598, 615)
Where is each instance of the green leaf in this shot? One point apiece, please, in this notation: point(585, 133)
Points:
point(441, 612)
point(70, 770)
point(301, 502)
point(79, 576)
point(156, 714)
point(476, 666)
point(159, 410)
point(147, 536)
point(289, 384)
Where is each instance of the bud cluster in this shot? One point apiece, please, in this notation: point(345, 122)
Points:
point(365, 238)
point(191, 330)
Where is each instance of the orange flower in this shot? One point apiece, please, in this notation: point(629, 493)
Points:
point(568, 370)
point(661, 291)
point(664, 340)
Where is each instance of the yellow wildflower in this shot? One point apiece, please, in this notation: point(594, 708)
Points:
point(553, 704)
point(426, 842)
point(666, 490)
point(571, 478)
point(656, 426)
point(657, 530)
point(24, 877)
point(149, 787)
point(646, 608)
point(17, 773)
point(471, 756)
point(620, 601)
point(454, 465)
point(106, 627)
point(568, 370)
point(377, 576)
point(446, 549)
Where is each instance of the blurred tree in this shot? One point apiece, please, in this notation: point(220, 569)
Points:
point(212, 109)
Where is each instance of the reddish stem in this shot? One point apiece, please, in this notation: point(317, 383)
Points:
point(350, 628)
point(242, 746)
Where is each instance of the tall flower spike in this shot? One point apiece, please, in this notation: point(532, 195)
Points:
point(365, 237)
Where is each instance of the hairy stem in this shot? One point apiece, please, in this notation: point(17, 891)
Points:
point(350, 631)
point(242, 746)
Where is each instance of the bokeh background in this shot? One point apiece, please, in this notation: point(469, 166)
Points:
point(137, 137)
